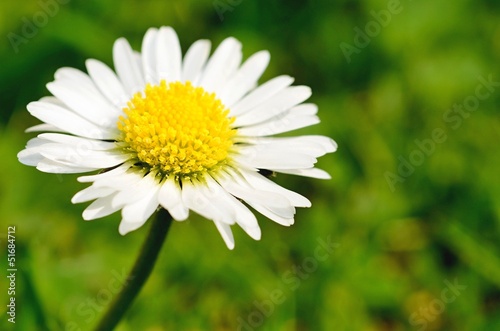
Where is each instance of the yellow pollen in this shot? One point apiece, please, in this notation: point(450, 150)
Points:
point(177, 129)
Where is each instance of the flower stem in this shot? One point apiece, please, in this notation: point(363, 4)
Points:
point(139, 273)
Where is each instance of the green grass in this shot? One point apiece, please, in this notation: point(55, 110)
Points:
point(398, 244)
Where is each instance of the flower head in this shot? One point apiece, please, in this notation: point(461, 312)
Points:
point(181, 133)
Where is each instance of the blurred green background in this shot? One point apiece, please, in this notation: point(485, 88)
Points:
point(401, 236)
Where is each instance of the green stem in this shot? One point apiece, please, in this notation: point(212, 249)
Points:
point(139, 273)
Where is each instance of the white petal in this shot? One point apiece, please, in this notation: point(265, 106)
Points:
point(323, 143)
point(53, 100)
point(100, 208)
point(136, 214)
point(255, 232)
point(194, 199)
point(36, 142)
point(262, 183)
point(274, 106)
point(168, 55)
point(126, 226)
point(118, 181)
point(261, 94)
point(278, 214)
point(78, 142)
point(220, 206)
point(226, 233)
point(127, 67)
point(91, 193)
point(228, 71)
point(244, 217)
point(170, 197)
point(74, 76)
point(271, 215)
point(244, 79)
point(31, 155)
point(195, 60)
point(54, 167)
point(86, 102)
point(264, 157)
point(138, 61)
point(312, 172)
point(305, 109)
point(43, 127)
point(111, 173)
point(108, 83)
point(221, 64)
point(69, 121)
point(136, 190)
point(149, 56)
point(278, 125)
point(82, 157)
point(275, 202)
point(314, 146)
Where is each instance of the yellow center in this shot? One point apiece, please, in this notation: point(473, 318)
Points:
point(177, 129)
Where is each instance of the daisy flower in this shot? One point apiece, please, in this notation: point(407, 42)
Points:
point(181, 133)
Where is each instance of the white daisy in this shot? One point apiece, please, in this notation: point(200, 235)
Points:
point(184, 133)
